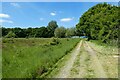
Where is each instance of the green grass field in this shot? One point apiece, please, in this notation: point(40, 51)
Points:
point(29, 58)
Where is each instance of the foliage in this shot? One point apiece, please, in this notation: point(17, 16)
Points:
point(60, 32)
point(5, 31)
point(41, 32)
point(44, 32)
point(52, 25)
point(100, 22)
point(70, 32)
point(55, 41)
point(10, 35)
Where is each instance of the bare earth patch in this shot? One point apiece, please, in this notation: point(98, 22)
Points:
point(65, 71)
point(99, 70)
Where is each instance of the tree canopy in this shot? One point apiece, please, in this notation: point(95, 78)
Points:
point(10, 35)
point(43, 31)
point(60, 32)
point(100, 22)
point(70, 32)
point(52, 25)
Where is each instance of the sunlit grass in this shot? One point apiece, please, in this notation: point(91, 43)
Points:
point(29, 58)
point(106, 55)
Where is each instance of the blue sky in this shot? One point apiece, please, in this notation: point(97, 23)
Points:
point(37, 14)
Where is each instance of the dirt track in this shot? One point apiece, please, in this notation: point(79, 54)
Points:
point(65, 71)
point(99, 71)
point(83, 63)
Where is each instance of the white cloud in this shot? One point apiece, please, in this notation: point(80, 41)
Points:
point(15, 5)
point(41, 19)
point(52, 13)
point(66, 19)
point(5, 21)
point(4, 16)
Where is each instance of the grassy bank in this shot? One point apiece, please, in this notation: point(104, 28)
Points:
point(28, 58)
point(105, 48)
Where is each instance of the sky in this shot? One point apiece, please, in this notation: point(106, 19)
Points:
point(38, 14)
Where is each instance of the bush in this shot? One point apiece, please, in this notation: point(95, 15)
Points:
point(67, 39)
point(4, 41)
point(55, 41)
point(8, 40)
point(52, 43)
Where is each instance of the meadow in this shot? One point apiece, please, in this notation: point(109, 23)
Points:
point(32, 57)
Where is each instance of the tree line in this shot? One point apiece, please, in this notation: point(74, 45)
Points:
point(52, 30)
point(100, 22)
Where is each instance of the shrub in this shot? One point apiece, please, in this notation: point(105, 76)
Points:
point(67, 39)
point(55, 41)
point(4, 41)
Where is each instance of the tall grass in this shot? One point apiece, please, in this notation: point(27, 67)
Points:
point(29, 58)
point(105, 48)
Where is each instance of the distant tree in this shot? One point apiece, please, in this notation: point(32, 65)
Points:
point(4, 31)
point(11, 34)
point(19, 32)
point(0, 31)
point(41, 32)
point(52, 25)
point(70, 32)
point(29, 32)
point(60, 32)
